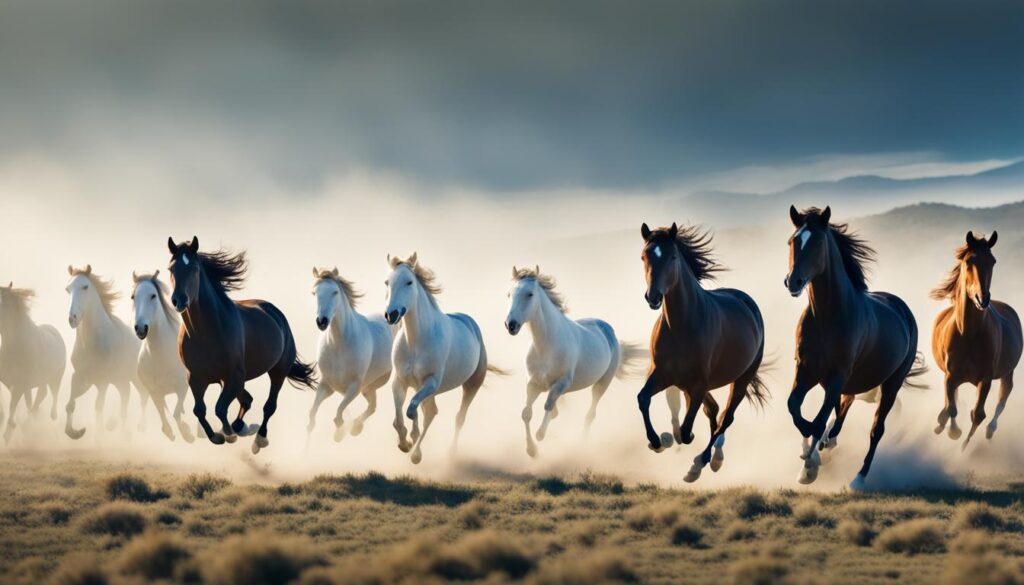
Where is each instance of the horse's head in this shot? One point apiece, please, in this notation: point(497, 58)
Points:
point(402, 284)
point(808, 248)
point(185, 273)
point(525, 299)
point(145, 301)
point(328, 293)
point(661, 262)
point(82, 292)
point(976, 267)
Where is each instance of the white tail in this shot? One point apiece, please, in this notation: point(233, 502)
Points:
point(633, 359)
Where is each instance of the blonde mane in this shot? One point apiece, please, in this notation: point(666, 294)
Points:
point(163, 292)
point(545, 281)
point(20, 298)
point(104, 288)
point(346, 285)
point(423, 274)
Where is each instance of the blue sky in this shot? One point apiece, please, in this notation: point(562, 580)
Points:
point(511, 97)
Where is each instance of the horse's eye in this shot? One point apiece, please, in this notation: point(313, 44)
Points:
point(152, 297)
point(408, 283)
point(86, 287)
point(529, 295)
point(133, 297)
point(335, 293)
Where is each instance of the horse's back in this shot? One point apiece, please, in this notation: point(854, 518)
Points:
point(901, 309)
point(599, 357)
point(56, 350)
point(466, 351)
point(1013, 337)
point(268, 337)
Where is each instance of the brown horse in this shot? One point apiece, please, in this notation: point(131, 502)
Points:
point(705, 339)
point(227, 342)
point(977, 340)
point(849, 340)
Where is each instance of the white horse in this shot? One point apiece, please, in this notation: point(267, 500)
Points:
point(435, 353)
point(566, 355)
point(159, 368)
point(106, 351)
point(31, 356)
point(355, 351)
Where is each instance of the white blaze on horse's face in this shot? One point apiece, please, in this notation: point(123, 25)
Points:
point(401, 293)
point(328, 298)
point(146, 302)
point(82, 295)
point(524, 304)
point(803, 235)
point(657, 251)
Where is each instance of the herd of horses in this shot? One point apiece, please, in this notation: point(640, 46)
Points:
point(851, 341)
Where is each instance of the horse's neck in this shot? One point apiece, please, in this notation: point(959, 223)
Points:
point(831, 292)
point(342, 325)
point(203, 314)
point(14, 324)
point(685, 302)
point(547, 325)
point(163, 331)
point(419, 321)
point(97, 320)
point(968, 317)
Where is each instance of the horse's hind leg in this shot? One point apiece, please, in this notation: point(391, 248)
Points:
point(555, 392)
point(469, 391)
point(737, 393)
point(160, 402)
point(37, 399)
point(16, 395)
point(124, 391)
point(371, 404)
point(269, 408)
point(429, 412)
point(179, 409)
point(978, 414)
point(1005, 387)
point(842, 409)
point(54, 393)
point(101, 404)
point(339, 421)
point(673, 397)
point(889, 390)
point(596, 392)
point(322, 392)
point(949, 411)
point(711, 409)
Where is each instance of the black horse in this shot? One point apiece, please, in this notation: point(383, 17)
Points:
point(227, 342)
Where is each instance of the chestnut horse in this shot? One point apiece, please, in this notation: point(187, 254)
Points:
point(976, 340)
point(229, 342)
point(849, 340)
point(705, 339)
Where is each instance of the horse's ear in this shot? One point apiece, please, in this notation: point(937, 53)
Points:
point(515, 272)
point(389, 259)
point(10, 285)
point(674, 230)
point(194, 245)
point(334, 271)
point(135, 276)
point(992, 239)
point(796, 217)
point(316, 273)
point(537, 268)
point(412, 259)
point(971, 240)
point(71, 269)
point(826, 215)
point(88, 269)
point(157, 273)
point(172, 246)
point(645, 232)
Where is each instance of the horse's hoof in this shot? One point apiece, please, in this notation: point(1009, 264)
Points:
point(416, 457)
point(808, 475)
point(339, 433)
point(70, 432)
point(858, 483)
point(231, 437)
point(217, 439)
point(692, 475)
point(168, 433)
point(531, 450)
point(989, 431)
point(656, 445)
point(939, 429)
point(717, 459)
point(541, 434)
point(955, 433)
point(357, 429)
point(249, 430)
point(404, 447)
point(53, 415)
point(667, 439)
point(186, 434)
point(238, 425)
point(260, 442)
point(410, 413)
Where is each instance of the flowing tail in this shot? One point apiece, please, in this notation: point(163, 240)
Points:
point(920, 368)
point(757, 390)
point(493, 369)
point(633, 359)
point(302, 375)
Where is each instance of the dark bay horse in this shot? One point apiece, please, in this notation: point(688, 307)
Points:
point(976, 340)
point(705, 339)
point(849, 340)
point(227, 342)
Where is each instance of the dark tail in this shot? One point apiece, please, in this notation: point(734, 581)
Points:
point(919, 369)
point(757, 390)
point(498, 371)
point(302, 375)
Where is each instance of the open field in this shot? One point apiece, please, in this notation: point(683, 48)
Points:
point(76, 519)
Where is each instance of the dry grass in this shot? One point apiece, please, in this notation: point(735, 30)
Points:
point(76, 522)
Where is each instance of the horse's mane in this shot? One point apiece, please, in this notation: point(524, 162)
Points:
point(225, 269)
point(346, 285)
point(694, 244)
point(19, 298)
point(163, 292)
point(855, 252)
point(546, 282)
point(423, 274)
point(104, 288)
point(948, 287)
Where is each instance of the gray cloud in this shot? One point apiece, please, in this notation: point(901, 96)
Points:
point(510, 96)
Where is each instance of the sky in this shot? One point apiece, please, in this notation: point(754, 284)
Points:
point(510, 98)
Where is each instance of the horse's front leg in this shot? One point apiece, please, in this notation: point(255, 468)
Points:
point(833, 392)
point(554, 393)
point(199, 409)
point(323, 390)
point(399, 390)
point(652, 386)
point(802, 384)
point(695, 399)
point(978, 414)
point(339, 421)
point(179, 410)
point(949, 411)
point(78, 387)
point(16, 394)
point(228, 393)
point(427, 389)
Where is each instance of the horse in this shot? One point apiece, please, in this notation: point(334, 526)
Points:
point(355, 351)
point(105, 352)
point(31, 356)
point(565, 355)
point(159, 368)
point(229, 342)
point(435, 353)
point(977, 339)
point(703, 340)
point(849, 340)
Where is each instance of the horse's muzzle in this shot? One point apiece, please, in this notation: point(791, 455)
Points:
point(322, 323)
point(654, 300)
point(73, 321)
point(795, 286)
point(513, 326)
point(982, 302)
point(142, 331)
point(394, 316)
point(180, 302)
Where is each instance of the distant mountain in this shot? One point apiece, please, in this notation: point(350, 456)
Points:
point(856, 196)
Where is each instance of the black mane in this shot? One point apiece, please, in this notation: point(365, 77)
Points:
point(855, 252)
point(225, 270)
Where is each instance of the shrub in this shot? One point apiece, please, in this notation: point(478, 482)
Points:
point(133, 488)
point(168, 518)
point(657, 515)
point(973, 560)
point(856, 532)
point(154, 555)
point(57, 513)
point(922, 535)
point(116, 519)
point(810, 514)
point(480, 554)
point(977, 516)
point(751, 504)
point(758, 570)
point(199, 485)
point(471, 515)
point(79, 570)
point(685, 533)
point(259, 505)
point(258, 558)
point(597, 568)
point(739, 530)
